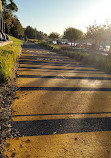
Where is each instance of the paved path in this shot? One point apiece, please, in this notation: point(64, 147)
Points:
point(62, 108)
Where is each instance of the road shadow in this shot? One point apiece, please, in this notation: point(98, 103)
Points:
point(62, 126)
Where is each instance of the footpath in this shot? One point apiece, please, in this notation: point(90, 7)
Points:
point(62, 108)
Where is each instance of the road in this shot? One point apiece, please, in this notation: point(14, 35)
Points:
point(62, 108)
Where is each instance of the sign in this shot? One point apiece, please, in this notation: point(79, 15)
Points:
point(0, 6)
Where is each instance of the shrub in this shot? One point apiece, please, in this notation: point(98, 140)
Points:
point(97, 60)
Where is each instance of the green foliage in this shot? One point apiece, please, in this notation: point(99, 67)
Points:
point(12, 23)
point(8, 8)
point(33, 40)
point(16, 28)
point(9, 5)
point(99, 35)
point(95, 60)
point(12, 6)
point(101, 62)
point(7, 16)
point(41, 36)
point(49, 46)
point(73, 34)
point(8, 59)
point(32, 33)
point(54, 35)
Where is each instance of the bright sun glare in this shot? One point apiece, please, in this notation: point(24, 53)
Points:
point(101, 12)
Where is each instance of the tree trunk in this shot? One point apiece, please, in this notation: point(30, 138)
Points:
point(110, 50)
point(74, 43)
point(71, 43)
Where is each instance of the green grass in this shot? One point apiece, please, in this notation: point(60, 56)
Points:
point(101, 62)
point(33, 40)
point(50, 46)
point(8, 59)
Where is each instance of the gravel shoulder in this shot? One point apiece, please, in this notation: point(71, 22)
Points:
point(7, 96)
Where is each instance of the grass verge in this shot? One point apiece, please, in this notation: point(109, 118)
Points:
point(96, 60)
point(33, 40)
point(8, 59)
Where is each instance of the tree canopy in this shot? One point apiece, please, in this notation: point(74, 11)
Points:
point(9, 5)
point(99, 34)
point(11, 22)
point(32, 33)
point(73, 34)
point(16, 28)
point(54, 35)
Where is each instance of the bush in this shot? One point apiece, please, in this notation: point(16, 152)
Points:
point(33, 40)
point(96, 60)
point(50, 46)
point(8, 59)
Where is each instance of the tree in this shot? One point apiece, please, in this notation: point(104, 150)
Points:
point(12, 23)
point(73, 34)
point(8, 8)
point(41, 35)
point(98, 34)
point(16, 28)
point(7, 16)
point(30, 32)
point(54, 36)
point(108, 37)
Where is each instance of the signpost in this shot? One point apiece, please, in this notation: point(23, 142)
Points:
point(1, 17)
point(0, 6)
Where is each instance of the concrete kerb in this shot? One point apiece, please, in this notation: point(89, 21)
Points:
point(3, 43)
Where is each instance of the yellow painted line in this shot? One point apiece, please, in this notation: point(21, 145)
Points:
point(75, 145)
point(53, 117)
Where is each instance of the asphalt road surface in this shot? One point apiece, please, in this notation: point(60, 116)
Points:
point(62, 108)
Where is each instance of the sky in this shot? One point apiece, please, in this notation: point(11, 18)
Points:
point(57, 15)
